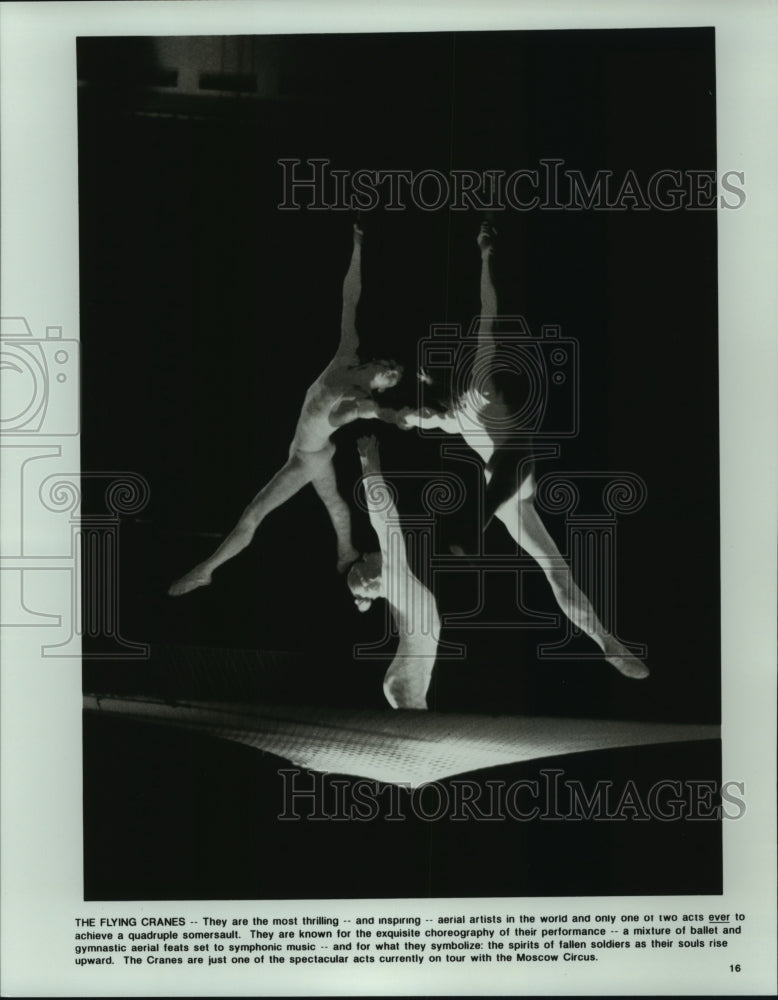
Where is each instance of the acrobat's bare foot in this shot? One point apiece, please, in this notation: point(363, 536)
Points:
point(359, 234)
point(629, 666)
point(347, 558)
point(486, 237)
point(198, 577)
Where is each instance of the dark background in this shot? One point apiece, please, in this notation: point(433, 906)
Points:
point(206, 312)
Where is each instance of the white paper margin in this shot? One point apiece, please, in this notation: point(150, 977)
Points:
point(41, 699)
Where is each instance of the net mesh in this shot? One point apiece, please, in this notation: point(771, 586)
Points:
point(402, 747)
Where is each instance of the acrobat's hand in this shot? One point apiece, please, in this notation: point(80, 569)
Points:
point(359, 234)
point(407, 417)
point(368, 454)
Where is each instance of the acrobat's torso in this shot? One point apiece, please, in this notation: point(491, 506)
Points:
point(332, 390)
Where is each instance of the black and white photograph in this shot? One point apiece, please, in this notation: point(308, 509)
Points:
point(388, 487)
point(412, 339)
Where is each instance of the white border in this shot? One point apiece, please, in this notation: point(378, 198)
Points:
point(41, 727)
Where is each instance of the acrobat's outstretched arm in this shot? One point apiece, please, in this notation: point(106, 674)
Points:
point(418, 623)
point(482, 374)
point(524, 525)
point(352, 289)
point(380, 506)
point(285, 483)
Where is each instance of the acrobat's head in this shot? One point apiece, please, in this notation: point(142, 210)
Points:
point(381, 374)
point(365, 580)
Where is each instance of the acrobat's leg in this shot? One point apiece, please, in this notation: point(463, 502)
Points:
point(484, 358)
point(352, 289)
point(413, 605)
point(326, 486)
point(415, 612)
point(524, 524)
point(284, 484)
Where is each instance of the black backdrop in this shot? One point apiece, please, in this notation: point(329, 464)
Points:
point(206, 312)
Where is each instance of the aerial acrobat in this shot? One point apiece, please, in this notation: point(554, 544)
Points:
point(341, 394)
point(481, 414)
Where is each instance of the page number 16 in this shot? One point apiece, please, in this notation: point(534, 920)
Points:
point(734, 968)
